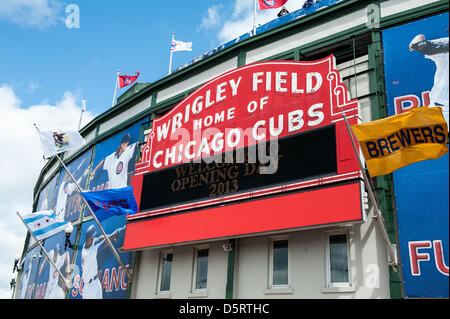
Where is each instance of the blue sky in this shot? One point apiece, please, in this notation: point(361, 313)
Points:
point(46, 69)
point(42, 62)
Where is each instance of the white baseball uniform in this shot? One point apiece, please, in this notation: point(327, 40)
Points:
point(44, 205)
point(92, 287)
point(61, 200)
point(117, 167)
point(439, 92)
point(54, 291)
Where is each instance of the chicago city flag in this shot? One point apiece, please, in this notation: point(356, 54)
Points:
point(59, 141)
point(396, 141)
point(270, 4)
point(44, 224)
point(111, 202)
point(180, 46)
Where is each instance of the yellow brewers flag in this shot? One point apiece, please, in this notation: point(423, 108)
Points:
point(396, 141)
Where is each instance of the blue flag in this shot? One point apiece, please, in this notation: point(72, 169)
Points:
point(111, 202)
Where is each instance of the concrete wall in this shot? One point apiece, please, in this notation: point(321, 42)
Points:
point(147, 268)
point(307, 256)
point(307, 267)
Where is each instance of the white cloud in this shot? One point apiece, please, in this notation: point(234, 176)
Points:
point(212, 18)
point(21, 163)
point(34, 13)
point(33, 86)
point(241, 19)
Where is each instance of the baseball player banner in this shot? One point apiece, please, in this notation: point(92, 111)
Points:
point(68, 203)
point(55, 142)
point(418, 65)
point(399, 140)
point(48, 282)
point(107, 203)
point(416, 61)
point(45, 200)
point(97, 275)
point(114, 160)
point(26, 281)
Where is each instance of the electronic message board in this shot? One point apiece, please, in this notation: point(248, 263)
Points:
point(190, 182)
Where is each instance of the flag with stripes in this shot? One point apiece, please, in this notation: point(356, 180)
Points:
point(180, 46)
point(44, 224)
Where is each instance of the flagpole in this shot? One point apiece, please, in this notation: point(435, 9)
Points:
point(115, 88)
point(171, 52)
point(108, 241)
point(83, 102)
point(254, 19)
point(66, 282)
point(372, 196)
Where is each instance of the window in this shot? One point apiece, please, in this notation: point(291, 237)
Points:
point(200, 270)
point(279, 264)
point(338, 268)
point(165, 272)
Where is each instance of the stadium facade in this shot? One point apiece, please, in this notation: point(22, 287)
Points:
point(304, 232)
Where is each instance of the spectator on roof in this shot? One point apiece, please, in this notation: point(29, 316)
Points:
point(308, 3)
point(283, 12)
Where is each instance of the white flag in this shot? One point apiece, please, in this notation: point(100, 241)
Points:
point(181, 46)
point(59, 141)
point(44, 224)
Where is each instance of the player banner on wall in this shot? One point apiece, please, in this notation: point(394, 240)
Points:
point(26, 287)
point(68, 203)
point(97, 273)
point(45, 201)
point(416, 69)
point(48, 283)
point(114, 160)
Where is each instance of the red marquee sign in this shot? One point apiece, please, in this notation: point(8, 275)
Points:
point(280, 97)
point(248, 105)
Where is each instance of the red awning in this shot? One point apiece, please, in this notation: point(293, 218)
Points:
point(324, 206)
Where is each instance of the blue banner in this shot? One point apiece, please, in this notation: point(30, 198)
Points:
point(421, 189)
